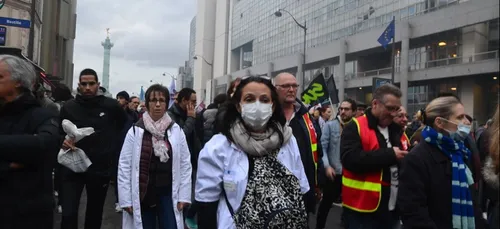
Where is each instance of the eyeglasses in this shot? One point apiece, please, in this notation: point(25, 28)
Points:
point(391, 108)
point(288, 86)
point(84, 84)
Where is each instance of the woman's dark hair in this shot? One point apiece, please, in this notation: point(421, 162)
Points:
point(230, 90)
point(228, 113)
point(61, 93)
point(157, 88)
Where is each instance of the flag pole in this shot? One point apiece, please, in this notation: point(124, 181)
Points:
point(393, 51)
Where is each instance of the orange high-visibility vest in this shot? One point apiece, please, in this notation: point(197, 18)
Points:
point(362, 192)
point(314, 144)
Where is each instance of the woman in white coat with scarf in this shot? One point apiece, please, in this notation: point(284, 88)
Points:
point(154, 171)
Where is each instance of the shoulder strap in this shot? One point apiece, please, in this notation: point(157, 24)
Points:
point(251, 164)
point(165, 135)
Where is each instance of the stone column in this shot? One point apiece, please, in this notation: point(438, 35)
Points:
point(208, 91)
point(341, 74)
point(403, 67)
point(270, 68)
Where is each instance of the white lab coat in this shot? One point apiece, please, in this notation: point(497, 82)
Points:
point(222, 162)
point(128, 175)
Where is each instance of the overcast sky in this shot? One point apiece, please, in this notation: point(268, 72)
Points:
point(150, 37)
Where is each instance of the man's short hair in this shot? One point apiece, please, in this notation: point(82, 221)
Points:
point(133, 97)
point(89, 71)
point(354, 105)
point(386, 89)
point(185, 94)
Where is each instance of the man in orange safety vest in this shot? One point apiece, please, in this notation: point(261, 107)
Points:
point(372, 146)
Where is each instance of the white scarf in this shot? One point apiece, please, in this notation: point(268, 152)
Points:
point(157, 129)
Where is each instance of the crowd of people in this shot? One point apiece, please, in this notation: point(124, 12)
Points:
point(256, 157)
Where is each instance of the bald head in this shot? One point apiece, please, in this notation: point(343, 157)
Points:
point(284, 77)
point(286, 86)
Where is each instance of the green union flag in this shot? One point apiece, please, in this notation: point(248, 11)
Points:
point(316, 92)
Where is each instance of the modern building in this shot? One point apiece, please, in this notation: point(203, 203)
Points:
point(441, 46)
point(15, 26)
point(107, 45)
point(185, 73)
point(57, 45)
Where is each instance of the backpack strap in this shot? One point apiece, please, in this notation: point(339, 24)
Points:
point(165, 135)
point(251, 165)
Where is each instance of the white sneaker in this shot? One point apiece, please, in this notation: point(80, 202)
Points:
point(118, 209)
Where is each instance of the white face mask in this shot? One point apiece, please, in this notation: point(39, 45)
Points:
point(257, 114)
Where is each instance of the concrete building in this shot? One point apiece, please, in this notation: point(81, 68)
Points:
point(185, 74)
point(15, 20)
point(442, 46)
point(58, 33)
point(107, 45)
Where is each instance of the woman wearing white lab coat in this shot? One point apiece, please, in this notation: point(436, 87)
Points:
point(160, 194)
point(254, 164)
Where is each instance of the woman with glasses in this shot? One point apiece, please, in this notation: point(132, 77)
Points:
point(251, 175)
point(436, 186)
point(154, 172)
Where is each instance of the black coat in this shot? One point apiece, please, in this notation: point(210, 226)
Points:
point(29, 137)
point(424, 196)
point(108, 119)
point(301, 133)
point(190, 128)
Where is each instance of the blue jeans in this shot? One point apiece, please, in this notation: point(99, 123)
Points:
point(356, 220)
point(163, 212)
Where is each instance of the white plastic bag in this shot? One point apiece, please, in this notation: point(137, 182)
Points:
point(76, 160)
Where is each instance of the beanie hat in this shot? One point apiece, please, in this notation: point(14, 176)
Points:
point(124, 95)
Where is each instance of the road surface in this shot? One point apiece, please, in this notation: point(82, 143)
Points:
point(113, 220)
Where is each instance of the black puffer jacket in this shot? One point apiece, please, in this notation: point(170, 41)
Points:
point(188, 125)
point(29, 142)
point(107, 118)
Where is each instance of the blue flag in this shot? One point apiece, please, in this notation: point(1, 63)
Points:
point(388, 34)
point(141, 94)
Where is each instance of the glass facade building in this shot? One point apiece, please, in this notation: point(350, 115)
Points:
point(264, 37)
point(441, 46)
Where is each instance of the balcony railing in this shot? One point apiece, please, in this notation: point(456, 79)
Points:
point(455, 60)
point(376, 72)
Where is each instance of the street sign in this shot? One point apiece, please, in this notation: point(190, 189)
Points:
point(3, 35)
point(21, 23)
point(377, 82)
point(2, 3)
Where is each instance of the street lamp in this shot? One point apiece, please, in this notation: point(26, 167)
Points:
point(170, 74)
point(195, 57)
point(303, 27)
